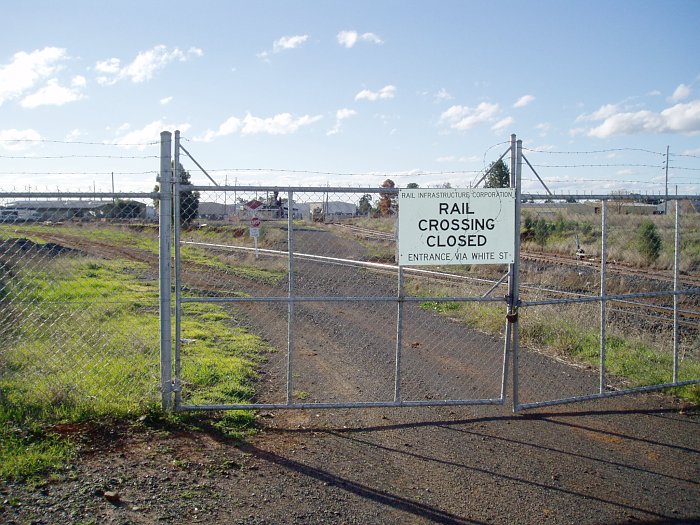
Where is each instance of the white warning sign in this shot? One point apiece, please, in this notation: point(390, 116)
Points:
point(456, 226)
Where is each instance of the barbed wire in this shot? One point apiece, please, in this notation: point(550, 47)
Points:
point(592, 152)
point(336, 174)
point(79, 172)
point(44, 157)
point(610, 165)
point(660, 183)
point(84, 143)
point(684, 155)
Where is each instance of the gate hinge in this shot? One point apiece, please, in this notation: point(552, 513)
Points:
point(175, 386)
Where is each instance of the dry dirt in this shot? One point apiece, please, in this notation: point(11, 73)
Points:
point(624, 460)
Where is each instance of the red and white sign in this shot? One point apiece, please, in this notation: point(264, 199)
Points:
point(255, 222)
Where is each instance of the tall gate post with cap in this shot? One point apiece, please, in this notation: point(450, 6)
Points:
point(165, 241)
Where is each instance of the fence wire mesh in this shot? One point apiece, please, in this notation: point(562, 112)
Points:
point(561, 262)
point(78, 304)
point(343, 338)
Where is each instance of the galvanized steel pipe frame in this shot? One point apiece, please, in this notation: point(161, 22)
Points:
point(164, 270)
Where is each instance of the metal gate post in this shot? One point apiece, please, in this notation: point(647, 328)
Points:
point(603, 292)
point(290, 303)
point(165, 229)
point(399, 335)
point(676, 271)
point(514, 283)
point(177, 197)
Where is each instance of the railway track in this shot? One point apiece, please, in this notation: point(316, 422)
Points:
point(642, 307)
point(666, 276)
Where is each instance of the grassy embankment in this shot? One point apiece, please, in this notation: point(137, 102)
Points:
point(80, 343)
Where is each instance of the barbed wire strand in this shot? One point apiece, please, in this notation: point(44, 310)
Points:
point(43, 157)
point(83, 143)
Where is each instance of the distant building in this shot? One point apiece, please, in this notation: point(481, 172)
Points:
point(65, 210)
point(334, 209)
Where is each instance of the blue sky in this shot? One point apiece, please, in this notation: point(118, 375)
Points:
point(348, 93)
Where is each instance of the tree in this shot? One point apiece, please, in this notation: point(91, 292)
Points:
point(498, 175)
point(387, 205)
point(412, 185)
point(365, 205)
point(189, 200)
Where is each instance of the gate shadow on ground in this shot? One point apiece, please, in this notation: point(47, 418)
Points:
point(550, 417)
point(379, 496)
point(437, 515)
point(556, 418)
point(513, 479)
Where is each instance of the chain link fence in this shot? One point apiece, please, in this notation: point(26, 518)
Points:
point(78, 302)
point(292, 298)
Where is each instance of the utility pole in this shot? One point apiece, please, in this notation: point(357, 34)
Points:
point(666, 201)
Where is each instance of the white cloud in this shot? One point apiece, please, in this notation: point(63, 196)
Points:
point(110, 66)
point(26, 70)
point(341, 115)
point(144, 66)
point(543, 128)
point(503, 124)
point(288, 42)
point(165, 101)
point(280, 124)
point(350, 38)
point(442, 95)
point(74, 135)
point(464, 117)
point(282, 44)
point(523, 101)
point(149, 133)
point(605, 111)
point(18, 139)
point(230, 126)
point(53, 94)
point(385, 93)
point(679, 118)
point(454, 158)
point(681, 93)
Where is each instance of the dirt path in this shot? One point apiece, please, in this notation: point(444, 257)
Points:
point(626, 460)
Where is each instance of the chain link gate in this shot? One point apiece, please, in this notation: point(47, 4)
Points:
point(305, 274)
point(341, 324)
point(609, 328)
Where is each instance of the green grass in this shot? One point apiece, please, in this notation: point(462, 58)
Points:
point(80, 343)
point(144, 237)
point(203, 257)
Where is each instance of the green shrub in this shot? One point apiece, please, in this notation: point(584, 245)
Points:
point(648, 241)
